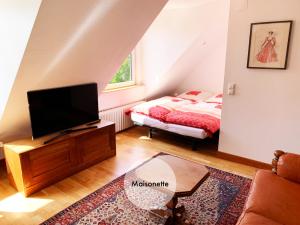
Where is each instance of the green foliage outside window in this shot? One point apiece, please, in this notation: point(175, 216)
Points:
point(124, 73)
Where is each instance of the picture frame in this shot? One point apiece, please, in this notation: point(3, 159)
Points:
point(269, 45)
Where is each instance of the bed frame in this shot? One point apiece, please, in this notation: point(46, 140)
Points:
point(194, 141)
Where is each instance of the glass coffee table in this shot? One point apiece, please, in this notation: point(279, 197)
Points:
point(189, 177)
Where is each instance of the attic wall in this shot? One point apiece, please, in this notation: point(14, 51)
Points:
point(185, 47)
point(208, 73)
point(73, 43)
point(16, 22)
point(263, 115)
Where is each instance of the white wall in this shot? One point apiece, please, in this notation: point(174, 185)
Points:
point(112, 99)
point(208, 74)
point(74, 42)
point(185, 47)
point(209, 53)
point(264, 114)
point(16, 21)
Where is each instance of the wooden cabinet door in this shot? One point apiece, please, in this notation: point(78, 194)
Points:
point(96, 146)
point(49, 163)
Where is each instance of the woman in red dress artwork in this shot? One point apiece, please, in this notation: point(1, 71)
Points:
point(267, 53)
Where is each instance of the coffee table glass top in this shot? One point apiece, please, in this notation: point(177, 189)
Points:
point(189, 175)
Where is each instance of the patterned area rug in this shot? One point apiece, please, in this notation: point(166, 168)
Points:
point(219, 200)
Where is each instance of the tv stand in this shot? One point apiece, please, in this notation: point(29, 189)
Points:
point(69, 131)
point(93, 122)
point(33, 165)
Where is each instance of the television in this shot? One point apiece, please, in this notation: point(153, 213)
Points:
point(58, 109)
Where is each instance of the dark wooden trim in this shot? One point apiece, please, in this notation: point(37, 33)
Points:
point(287, 50)
point(243, 160)
point(277, 155)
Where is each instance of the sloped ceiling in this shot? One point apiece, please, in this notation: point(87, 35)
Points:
point(75, 42)
point(16, 22)
point(179, 39)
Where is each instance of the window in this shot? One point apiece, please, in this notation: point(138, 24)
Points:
point(124, 77)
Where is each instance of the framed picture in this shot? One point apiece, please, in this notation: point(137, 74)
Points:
point(269, 44)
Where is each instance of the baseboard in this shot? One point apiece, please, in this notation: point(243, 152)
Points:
point(243, 160)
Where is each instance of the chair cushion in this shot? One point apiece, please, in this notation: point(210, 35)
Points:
point(255, 219)
point(274, 197)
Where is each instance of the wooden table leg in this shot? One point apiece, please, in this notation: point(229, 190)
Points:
point(172, 205)
point(177, 213)
point(174, 215)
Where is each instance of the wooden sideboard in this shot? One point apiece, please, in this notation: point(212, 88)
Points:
point(32, 165)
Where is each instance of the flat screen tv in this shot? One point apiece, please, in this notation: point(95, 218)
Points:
point(62, 108)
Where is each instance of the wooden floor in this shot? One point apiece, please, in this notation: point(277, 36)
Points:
point(133, 147)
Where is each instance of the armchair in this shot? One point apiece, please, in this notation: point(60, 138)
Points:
point(287, 165)
point(274, 196)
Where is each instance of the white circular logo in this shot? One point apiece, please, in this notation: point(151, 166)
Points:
point(150, 186)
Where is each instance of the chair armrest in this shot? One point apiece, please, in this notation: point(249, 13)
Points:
point(287, 165)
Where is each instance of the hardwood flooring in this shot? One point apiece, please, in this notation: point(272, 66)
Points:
point(133, 148)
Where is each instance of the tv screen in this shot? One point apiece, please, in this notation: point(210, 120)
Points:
point(57, 109)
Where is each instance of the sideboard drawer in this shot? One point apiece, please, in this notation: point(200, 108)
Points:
point(44, 163)
point(94, 147)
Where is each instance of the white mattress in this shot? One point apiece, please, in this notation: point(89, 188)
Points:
point(179, 129)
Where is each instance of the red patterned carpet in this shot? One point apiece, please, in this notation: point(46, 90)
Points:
point(219, 200)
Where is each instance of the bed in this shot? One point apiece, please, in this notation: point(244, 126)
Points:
point(194, 114)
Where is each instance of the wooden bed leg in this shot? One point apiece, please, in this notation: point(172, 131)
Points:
point(150, 133)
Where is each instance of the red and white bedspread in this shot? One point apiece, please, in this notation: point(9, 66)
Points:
point(175, 110)
point(200, 115)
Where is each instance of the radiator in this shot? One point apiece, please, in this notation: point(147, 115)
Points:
point(118, 116)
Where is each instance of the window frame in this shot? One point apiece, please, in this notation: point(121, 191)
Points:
point(132, 82)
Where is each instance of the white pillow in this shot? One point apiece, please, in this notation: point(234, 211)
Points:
point(196, 95)
point(217, 98)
